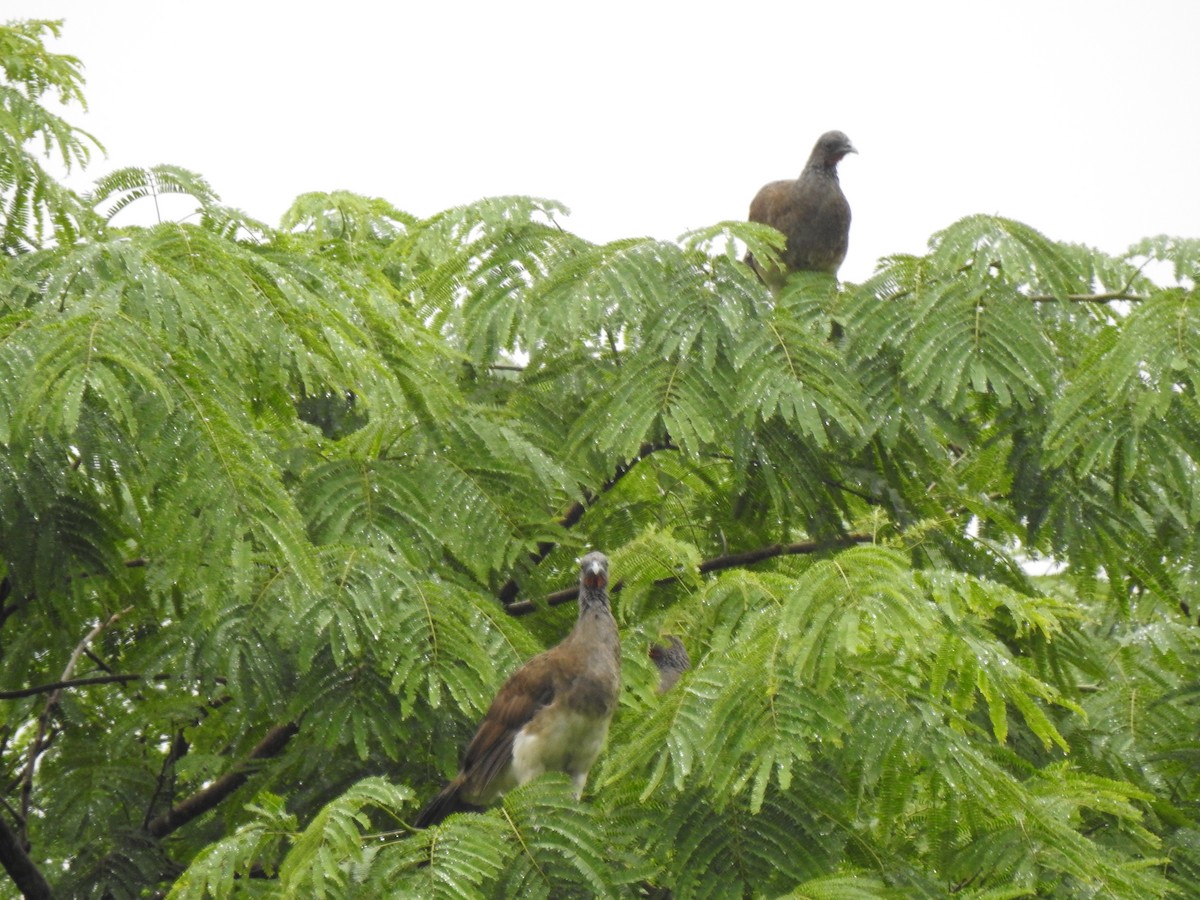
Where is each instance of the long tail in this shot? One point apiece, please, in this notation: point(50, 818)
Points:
point(445, 803)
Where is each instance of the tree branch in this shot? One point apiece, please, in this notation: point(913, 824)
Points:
point(747, 557)
point(39, 741)
point(1089, 298)
point(73, 683)
point(508, 591)
point(20, 868)
point(207, 797)
point(100, 664)
point(179, 749)
point(8, 609)
point(716, 564)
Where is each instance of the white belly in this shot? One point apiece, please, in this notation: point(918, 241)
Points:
point(560, 742)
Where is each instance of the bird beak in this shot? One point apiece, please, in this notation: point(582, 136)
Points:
point(595, 575)
point(850, 149)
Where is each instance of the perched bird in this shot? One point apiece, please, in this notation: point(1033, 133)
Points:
point(672, 661)
point(811, 211)
point(551, 715)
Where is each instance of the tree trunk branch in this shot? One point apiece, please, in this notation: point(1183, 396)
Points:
point(716, 564)
point(1089, 298)
point(73, 683)
point(508, 591)
point(39, 740)
point(20, 868)
point(208, 797)
point(166, 774)
point(747, 557)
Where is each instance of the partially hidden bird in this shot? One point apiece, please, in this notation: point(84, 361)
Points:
point(551, 715)
point(811, 211)
point(671, 660)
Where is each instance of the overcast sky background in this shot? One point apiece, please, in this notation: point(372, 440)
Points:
point(653, 117)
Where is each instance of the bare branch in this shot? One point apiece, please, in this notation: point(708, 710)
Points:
point(716, 564)
point(508, 591)
point(208, 797)
point(101, 664)
point(747, 557)
point(20, 868)
point(73, 683)
point(39, 741)
point(521, 608)
point(1090, 298)
point(179, 749)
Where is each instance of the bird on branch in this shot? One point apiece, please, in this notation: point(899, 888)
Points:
point(811, 211)
point(672, 660)
point(552, 714)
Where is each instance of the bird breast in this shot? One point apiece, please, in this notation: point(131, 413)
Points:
point(594, 695)
point(567, 741)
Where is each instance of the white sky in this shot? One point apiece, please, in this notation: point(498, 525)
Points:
point(652, 117)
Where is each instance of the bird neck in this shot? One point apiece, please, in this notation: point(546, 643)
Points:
point(823, 168)
point(593, 601)
point(594, 612)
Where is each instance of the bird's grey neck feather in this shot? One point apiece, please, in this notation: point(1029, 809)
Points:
point(816, 167)
point(595, 622)
point(590, 599)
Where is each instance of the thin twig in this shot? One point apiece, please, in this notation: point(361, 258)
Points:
point(71, 683)
point(179, 749)
point(747, 557)
point(100, 664)
point(39, 741)
point(1089, 298)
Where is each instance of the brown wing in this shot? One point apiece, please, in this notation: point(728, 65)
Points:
point(765, 209)
point(527, 690)
point(768, 203)
point(813, 214)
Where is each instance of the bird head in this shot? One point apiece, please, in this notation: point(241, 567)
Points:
point(832, 146)
point(593, 570)
point(671, 661)
point(673, 654)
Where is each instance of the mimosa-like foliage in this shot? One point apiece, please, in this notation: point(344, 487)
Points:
point(280, 508)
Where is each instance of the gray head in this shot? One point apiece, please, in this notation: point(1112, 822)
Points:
point(671, 660)
point(673, 655)
point(593, 571)
point(829, 150)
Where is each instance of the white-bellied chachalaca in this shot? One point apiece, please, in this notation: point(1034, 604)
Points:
point(551, 715)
